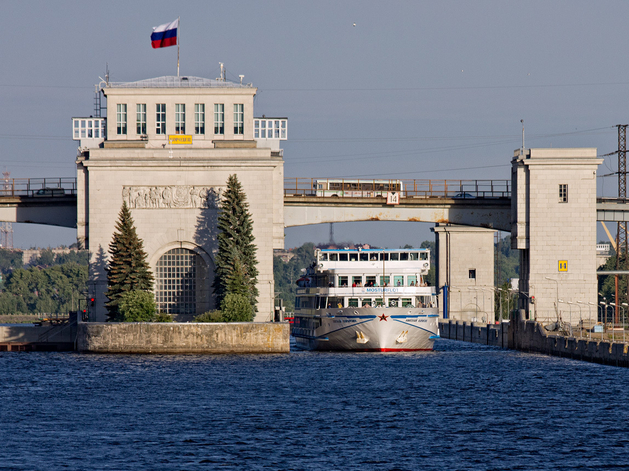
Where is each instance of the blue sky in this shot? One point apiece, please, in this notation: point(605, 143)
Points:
point(427, 90)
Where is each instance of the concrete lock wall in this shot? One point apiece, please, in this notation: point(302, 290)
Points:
point(38, 337)
point(496, 335)
point(531, 336)
point(131, 337)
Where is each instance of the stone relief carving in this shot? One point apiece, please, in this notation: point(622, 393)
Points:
point(172, 196)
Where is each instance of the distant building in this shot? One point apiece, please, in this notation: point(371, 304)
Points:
point(603, 253)
point(285, 255)
point(167, 147)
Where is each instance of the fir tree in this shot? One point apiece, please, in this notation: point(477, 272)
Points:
point(128, 269)
point(236, 264)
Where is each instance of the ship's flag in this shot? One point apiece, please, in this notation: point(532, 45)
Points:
point(165, 35)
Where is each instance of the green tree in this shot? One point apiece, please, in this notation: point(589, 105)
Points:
point(236, 308)
point(136, 306)
point(128, 269)
point(56, 289)
point(10, 260)
point(236, 264)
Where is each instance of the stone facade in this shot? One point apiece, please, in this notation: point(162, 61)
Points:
point(554, 214)
point(173, 190)
point(465, 263)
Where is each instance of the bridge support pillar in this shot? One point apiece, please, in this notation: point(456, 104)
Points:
point(553, 209)
point(465, 262)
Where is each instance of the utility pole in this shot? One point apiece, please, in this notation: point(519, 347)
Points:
point(621, 233)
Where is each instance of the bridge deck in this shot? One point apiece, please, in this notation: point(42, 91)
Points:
point(484, 203)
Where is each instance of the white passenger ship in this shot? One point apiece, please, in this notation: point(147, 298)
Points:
point(366, 300)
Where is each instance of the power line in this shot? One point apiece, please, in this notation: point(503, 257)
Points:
point(410, 89)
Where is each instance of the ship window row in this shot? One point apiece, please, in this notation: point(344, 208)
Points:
point(181, 119)
point(269, 128)
point(358, 281)
point(331, 302)
point(372, 256)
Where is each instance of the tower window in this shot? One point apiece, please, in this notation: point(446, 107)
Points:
point(472, 274)
point(219, 118)
point(160, 118)
point(180, 118)
point(563, 193)
point(121, 119)
point(239, 116)
point(141, 118)
point(199, 118)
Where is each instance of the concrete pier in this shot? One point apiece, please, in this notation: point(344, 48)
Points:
point(31, 337)
point(132, 337)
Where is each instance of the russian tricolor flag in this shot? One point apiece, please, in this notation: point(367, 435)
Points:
point(165, 35)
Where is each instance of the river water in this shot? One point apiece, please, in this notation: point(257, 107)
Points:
point(461, 407)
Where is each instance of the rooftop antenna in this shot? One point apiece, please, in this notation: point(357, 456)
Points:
point(106, 73)
point(222, 76)
point(522, 149)
point(241, 77)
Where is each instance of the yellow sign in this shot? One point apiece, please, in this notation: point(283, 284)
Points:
point(563, 265)
point(179, 139)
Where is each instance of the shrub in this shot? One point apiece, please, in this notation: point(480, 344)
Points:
point(237, 308)
point(210, 316)
point(163, 317)
point(136, 306)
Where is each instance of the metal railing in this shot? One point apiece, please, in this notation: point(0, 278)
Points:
point(38, 187)
point(370, 188)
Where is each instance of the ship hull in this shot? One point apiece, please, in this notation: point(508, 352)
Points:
point(367, 329)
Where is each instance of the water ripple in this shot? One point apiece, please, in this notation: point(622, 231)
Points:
point(461, 407)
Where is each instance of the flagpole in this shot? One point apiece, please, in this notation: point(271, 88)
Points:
point(178, 31)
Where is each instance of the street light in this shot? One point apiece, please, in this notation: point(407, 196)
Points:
point(557, 303)
point(613, 323)
point(590, 303)
point(622, 313)
point(460, 299)
point(475, 301)
point(580, 318)
point(604, 316)
point(570, 303)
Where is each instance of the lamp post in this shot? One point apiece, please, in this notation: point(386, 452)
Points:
point(460, 299)
point(475, 301)
point(613, 323)
point(580, 318)
point(557, 297)
point(603, 316)
point(590, 303)
point(559, 316)
point(622, 313)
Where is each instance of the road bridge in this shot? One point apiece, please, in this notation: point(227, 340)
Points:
point(478, 203)
point(50, 201)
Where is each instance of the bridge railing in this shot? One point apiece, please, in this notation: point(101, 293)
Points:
point(366, 188)
point(38, 187)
